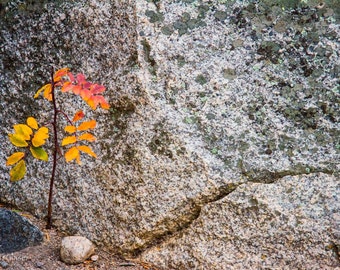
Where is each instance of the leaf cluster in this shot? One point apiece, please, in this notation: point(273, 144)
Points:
point(26, 135)
point(33, 137)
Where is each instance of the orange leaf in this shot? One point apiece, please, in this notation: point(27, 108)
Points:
point(67, 87)
point(104, 104)
point(94, 101)
point(59, 74)
point(87, 125)
point(91, 103)
point(87, 150)
point(78, 116)
point(14, 158)
point(71, 154)
point(87, 137)
point(70, 129)
point(40, 137)
point(76, 89)
point(48, 92)
point(85, 94)
point(68, 140)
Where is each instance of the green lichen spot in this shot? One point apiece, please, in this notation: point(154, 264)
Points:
point(201, 79)
point(181, 27)
point(154, 16)
point(167, 30)
point(220, 15)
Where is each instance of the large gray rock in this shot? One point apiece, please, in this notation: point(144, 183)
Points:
point(16, 232)
point(261, 226)
point(207, 98)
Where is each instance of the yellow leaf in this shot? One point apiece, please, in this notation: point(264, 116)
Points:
point(87, 125)
point(23, 130)
point(40, 137)
point(46, 86)
point(32, 122)
point(14, 158)
point(17, 140)
point(87, 137)
point(18, 171)
point(87, 150)
point(36, 95)
point(70, 129)
point(71, 154)
point(39, 153)
point(68, 140)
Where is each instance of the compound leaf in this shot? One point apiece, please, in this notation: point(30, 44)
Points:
point(39, 153)
point(14, 158)
point(18, 171)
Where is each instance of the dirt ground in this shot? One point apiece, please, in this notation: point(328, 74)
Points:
point(46, 256)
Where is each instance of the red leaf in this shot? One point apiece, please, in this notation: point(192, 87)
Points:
point(97, 88)
point(70, 75)
point(78, 116)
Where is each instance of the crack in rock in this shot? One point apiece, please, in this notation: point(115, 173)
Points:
point(268, 177)
point(181, 224)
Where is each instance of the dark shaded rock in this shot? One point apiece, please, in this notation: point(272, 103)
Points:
point(16, 232)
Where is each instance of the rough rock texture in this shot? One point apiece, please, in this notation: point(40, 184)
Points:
point(16, 232)
point(262, 226)
point(75, 249)
point(209, 99)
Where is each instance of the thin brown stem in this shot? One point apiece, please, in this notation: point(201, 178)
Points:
point(55, 151)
